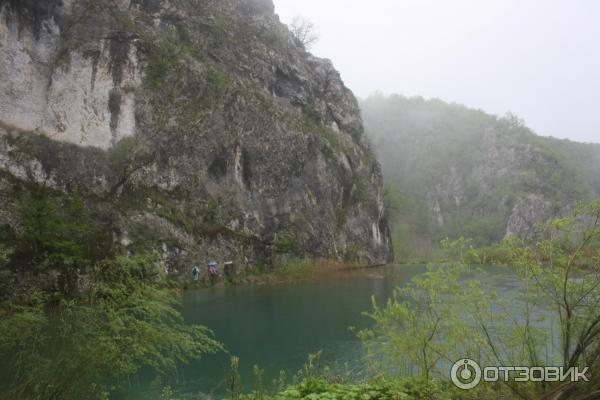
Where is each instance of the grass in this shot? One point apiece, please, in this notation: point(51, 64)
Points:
point(302, 269)
point(314, 382)
point(331, 138)
point(296, 269)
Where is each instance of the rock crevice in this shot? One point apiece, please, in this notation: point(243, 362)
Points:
point(198, 127)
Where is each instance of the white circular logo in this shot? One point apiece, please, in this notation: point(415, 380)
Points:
point(465, 374)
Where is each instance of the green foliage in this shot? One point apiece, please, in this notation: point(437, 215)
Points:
point(105, 320)
point(445, 315)
point(352, 252)
point(420, 326)
point(288, 243)
point(280, 382)
point(50, 227)
point(164, 60)
point(5, 253)
point(360, 187)
point(457, 249)
point(341, 216)
point(412, 235)
point(552, 265)
point(502, 253)
point(56, 234)
point(127, 157)
point(259, 389)
point(128, 319)
point(218, 81)
point(314, 382)
point(206, 220)
point(235, 383)
point(455, 171)
point(332, 139)
point(123, 19)
point(484, 230)
point(321, 389)
point(185, 85)
point(214, 214)
point(167, 393)
point(295, 269)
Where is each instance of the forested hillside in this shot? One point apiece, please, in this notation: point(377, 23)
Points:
point(452, 171)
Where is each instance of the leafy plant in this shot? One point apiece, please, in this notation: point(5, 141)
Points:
point(128, 320)
point(444, 315)
point(420, 327)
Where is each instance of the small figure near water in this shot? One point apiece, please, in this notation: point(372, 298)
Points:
point(196, 272)
point(213, 272)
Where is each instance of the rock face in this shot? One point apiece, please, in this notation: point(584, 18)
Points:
point(461, 172)
point(196, 128)
point(528, 212)
point(72, 95)
point(507, 186)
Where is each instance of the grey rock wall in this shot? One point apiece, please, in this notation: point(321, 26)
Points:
point(200, 128)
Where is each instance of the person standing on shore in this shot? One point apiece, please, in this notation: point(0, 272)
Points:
point(196, 272)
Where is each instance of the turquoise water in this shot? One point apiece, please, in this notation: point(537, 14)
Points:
point(276, 327)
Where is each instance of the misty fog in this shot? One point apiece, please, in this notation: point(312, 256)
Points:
point(539, 60)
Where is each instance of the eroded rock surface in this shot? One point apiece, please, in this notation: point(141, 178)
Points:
point(195, 128)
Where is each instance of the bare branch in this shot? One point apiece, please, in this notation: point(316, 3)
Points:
point(304, 30)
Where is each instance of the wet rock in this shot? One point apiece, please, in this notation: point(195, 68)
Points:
point(212, 129)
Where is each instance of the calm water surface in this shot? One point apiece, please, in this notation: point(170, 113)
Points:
point(276, 327)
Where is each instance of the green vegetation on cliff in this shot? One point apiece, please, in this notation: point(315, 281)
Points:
point(76, 321)
point(451, 171)
point(202, 129)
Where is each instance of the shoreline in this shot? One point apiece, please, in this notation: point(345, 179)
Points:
point(293, 273)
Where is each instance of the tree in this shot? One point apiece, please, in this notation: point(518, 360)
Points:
point(54, 241)
point(128, 320)
point(304, 30)
point(564, 269)
point(419, 327)
point(445, 315)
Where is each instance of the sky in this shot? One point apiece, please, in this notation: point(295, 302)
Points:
point(539, 59)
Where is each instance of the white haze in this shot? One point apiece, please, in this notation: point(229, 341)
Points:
point(539, 59)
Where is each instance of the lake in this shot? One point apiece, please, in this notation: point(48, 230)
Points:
point(277, 326)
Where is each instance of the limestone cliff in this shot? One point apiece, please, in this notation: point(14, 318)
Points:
point(196, 128)
point(454, 171)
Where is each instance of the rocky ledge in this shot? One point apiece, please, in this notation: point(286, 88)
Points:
point(192, 128)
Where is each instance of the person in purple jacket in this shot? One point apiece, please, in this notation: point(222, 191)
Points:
point(213, 271)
